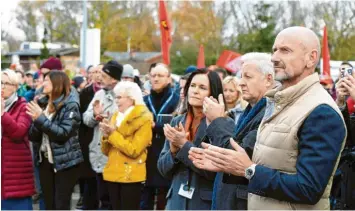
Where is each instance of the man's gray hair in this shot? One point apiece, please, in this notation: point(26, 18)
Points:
point(131, 90)
point(262, 60)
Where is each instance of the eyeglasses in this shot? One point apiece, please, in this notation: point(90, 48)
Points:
point(6, 84)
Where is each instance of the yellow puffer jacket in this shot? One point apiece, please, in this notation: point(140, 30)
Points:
point(126, 147)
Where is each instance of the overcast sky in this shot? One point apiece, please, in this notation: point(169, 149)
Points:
point(8, 19)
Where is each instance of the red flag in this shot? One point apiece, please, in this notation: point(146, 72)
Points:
point(165, 28)
point(230, 60)
point(201, 58)
point(325, 54)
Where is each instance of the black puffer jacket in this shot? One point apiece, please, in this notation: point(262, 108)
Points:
point(62, 132)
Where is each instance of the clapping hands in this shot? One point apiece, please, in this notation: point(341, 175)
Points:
point(33, 110)
point(106, 128)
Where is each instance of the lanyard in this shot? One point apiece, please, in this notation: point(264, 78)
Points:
point(162, 108)
point(189, 174)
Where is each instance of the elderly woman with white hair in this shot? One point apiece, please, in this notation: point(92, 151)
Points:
point(229, 192)
point(17, 180)
point(125, 141)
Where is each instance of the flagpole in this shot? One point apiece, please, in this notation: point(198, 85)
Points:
point(84, 33)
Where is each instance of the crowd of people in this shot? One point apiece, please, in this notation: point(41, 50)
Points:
point(277, 137)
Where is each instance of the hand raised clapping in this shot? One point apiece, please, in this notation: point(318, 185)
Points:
point(213, 109)
point(106, 128)
point(212, 158)
point(34, 110)
point(177, 136)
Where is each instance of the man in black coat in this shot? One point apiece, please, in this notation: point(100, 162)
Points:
point(161, 101)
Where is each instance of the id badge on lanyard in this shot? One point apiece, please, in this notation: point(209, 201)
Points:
point(186, 190)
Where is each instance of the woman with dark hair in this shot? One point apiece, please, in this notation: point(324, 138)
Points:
point(191, 188)
point(54, 134)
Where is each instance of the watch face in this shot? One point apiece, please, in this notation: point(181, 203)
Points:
point(249, 172)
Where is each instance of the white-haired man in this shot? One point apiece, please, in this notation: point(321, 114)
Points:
point(300, 138)
point(257, 78)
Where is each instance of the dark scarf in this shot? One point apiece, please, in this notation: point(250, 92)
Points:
point(248, 114)
point(159, 98)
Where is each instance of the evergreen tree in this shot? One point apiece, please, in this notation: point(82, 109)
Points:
point(44, 50)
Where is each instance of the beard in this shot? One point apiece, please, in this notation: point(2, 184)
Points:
point(283, 76)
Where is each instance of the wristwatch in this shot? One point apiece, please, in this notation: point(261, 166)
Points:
point(249, 172)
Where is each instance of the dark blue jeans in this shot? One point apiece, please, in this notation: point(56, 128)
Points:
point(17, 204)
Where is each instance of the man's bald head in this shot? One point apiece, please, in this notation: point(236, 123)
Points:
point(296, 53)
point(307, 38)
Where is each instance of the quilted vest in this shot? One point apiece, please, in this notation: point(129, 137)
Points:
point(276, 146)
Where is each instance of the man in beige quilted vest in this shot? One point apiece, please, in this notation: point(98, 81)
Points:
point(300, 138)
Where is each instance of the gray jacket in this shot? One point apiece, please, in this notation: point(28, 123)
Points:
point(179, 168)
point(97, 159)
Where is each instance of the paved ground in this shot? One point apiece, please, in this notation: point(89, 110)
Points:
point(74, 199)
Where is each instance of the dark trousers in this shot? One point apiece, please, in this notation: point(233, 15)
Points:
point(81, 186)
point(147, 199)
point(90, 196)
point(103, 195)
point(57, 187)
point(125, 196)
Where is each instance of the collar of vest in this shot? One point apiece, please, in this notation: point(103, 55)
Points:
point(293, 92)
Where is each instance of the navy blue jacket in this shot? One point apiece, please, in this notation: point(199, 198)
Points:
point(62, 132)
point(320, 140)
point(230, 192)
point(154, 178)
